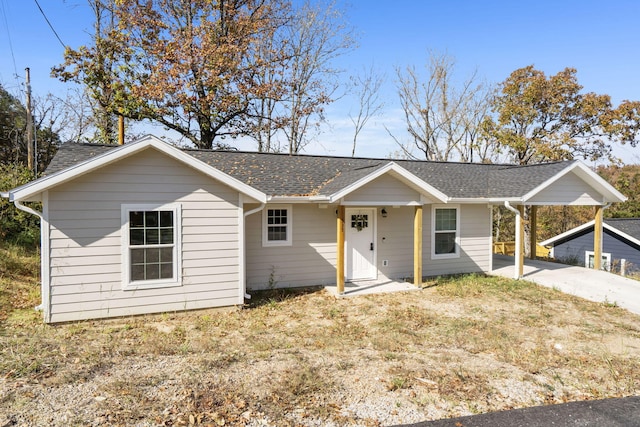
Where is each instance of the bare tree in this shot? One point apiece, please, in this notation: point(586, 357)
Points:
point(317, 35)
point(367, 87)
point(442, 120)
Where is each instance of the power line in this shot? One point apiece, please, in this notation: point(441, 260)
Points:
point(6, 24)
point(50, 26)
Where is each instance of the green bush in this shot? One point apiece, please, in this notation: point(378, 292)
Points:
point(17, 226)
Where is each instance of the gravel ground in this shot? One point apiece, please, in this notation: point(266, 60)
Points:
point(312, 360)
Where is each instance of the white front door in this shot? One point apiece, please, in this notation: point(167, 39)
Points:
point(359, 243)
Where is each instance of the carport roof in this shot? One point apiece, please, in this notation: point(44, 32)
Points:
point(283, 175)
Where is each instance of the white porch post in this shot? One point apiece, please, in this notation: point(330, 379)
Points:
point(519, 253)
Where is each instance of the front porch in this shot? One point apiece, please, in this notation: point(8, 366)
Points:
point(369, 287)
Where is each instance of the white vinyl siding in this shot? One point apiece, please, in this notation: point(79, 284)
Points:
point(568, 190)
point(395, 242)
point(86, 242)
point(475, 243)
point(310, 260)
point(385, 189)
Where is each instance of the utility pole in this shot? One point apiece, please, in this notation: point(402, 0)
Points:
point(29, 124)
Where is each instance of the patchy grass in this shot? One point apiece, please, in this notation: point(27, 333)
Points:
point(19, 283)
point(462, 345)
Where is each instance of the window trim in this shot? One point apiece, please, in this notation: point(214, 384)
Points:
point(127, 284)
point(605, 255)
point(265, 235)
point(456, 253)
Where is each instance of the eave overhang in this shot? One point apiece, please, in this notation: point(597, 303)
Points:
point(32, 190)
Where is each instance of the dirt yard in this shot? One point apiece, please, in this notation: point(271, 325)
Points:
point(459, 346)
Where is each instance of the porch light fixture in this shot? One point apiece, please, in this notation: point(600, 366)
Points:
point(383, 212)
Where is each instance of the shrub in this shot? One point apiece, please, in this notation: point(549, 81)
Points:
point(17, 226)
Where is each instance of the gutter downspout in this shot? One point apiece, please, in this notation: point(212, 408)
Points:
point(246, 214)
point(18, 204)
point(516, 274)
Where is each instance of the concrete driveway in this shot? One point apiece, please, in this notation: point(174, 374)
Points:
point(598, 286)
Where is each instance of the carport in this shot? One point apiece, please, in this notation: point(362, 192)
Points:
point(594, 285)
point(574, 186)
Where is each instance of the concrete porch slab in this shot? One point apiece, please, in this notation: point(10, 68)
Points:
point(368, 287)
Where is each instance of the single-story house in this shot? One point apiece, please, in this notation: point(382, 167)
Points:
point(620, 245)
point(148, 227)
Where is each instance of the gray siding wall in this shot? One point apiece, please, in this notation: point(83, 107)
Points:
point(475, 243)
point(386, 189)
point(395, 242)
point(569, 187)
point(311, 259)
point(575, 250)
point(85, 254)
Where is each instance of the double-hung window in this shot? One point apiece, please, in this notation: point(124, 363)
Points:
point(277, 223)
point(445, 239)
point(150, 235)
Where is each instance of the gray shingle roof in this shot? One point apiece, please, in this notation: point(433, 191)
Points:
point(630, 226)
point(308, 175)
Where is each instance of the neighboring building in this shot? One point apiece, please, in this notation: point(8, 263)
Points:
point(620, 245)
point(148, 227)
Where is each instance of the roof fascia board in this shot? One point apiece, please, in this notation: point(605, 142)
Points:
point(592, 178)
point(621, 233)
point(380, 203)
point(568, 233)
point(584, 169)
point(404, 174)
point(295, 199)
point(587, 225)
point(199, 165)
point(30, 189)
point(482, 200)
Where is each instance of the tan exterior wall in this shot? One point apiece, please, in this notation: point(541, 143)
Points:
point(86, 258)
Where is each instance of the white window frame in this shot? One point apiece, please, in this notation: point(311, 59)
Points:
point(265, 234)
point(455, 254)
point(606, 257)
point(176, 280)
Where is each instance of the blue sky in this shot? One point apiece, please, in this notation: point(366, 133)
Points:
point(598, 38)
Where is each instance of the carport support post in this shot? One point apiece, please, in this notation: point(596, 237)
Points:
point(597, 239)
point(417, 246)
point(520, 241)
point(533, 225)
point(340, 251)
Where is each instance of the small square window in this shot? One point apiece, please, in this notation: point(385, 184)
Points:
point(277, 226)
